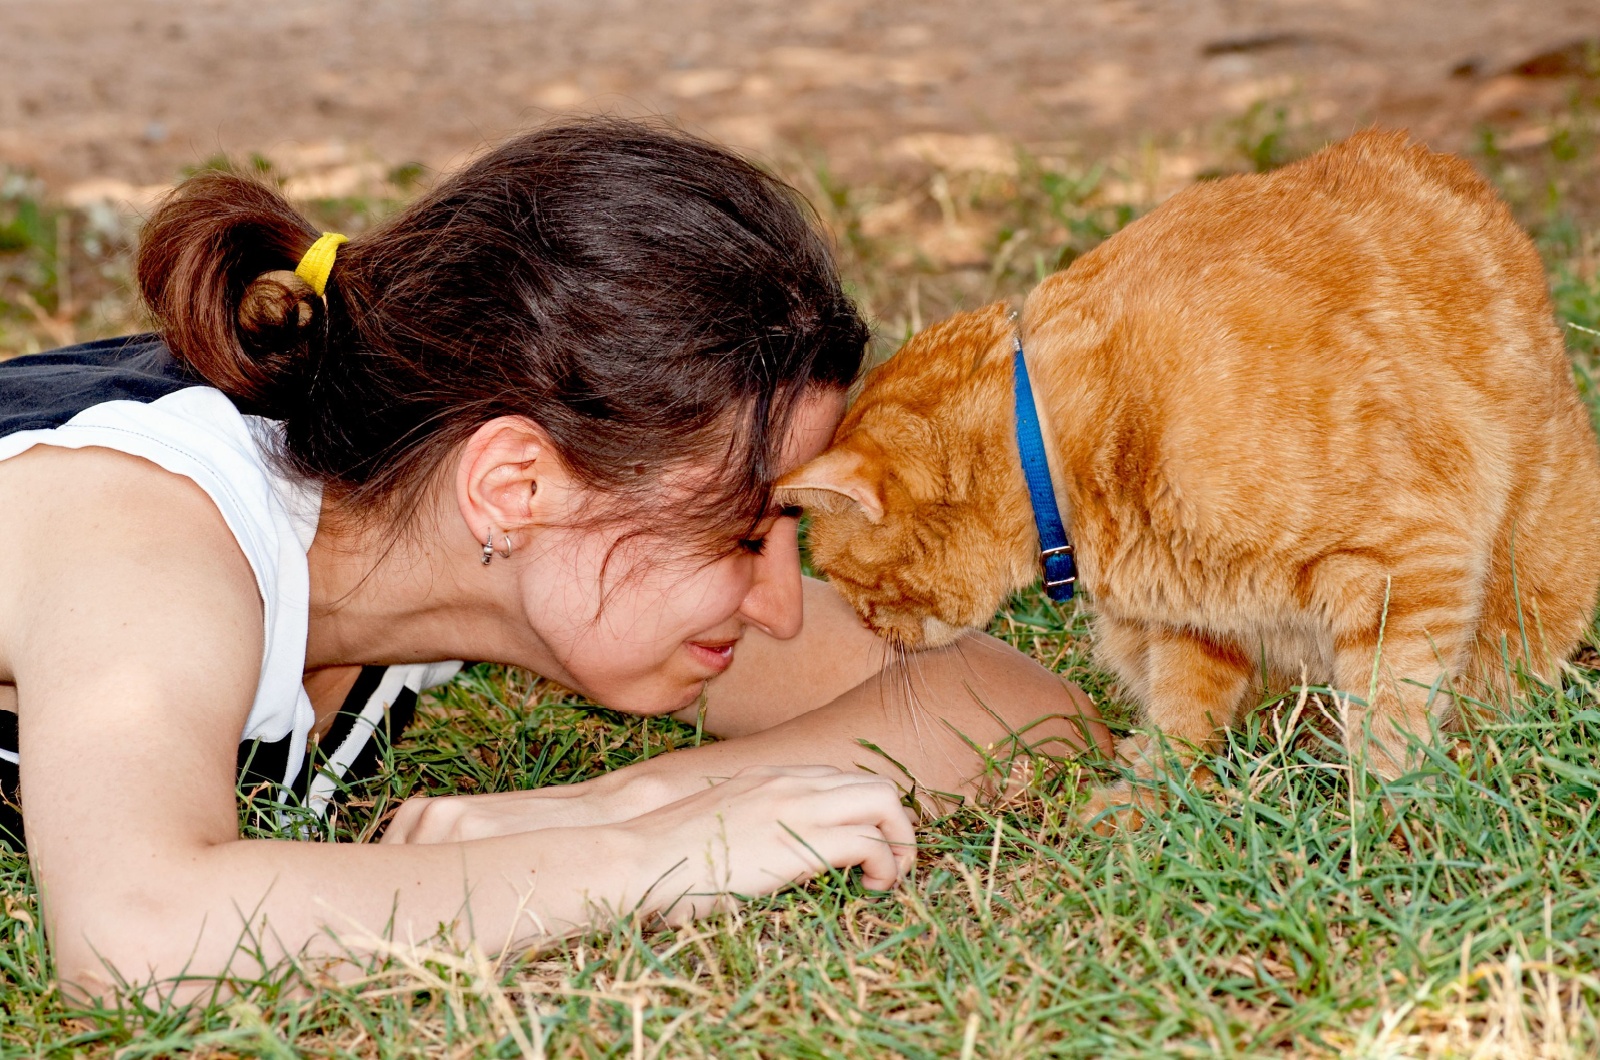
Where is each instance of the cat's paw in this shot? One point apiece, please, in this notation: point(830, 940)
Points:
point(1115, 807)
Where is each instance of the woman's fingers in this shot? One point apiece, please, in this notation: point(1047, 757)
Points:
point(880, 868)
point(899, 847)
point(446, 819)
point(841, 820)
point(404, 821)
point(886, 828)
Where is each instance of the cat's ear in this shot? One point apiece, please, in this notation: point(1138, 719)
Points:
point(835, 481)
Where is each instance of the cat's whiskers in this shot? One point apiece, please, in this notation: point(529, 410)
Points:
point(898, 670)
point(909, 663)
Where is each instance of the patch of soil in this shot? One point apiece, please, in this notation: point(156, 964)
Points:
point(131, 91)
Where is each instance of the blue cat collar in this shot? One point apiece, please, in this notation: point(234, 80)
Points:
point(1055, 551)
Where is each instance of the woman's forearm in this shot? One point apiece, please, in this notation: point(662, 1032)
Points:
point(227, 907)
point(930, 719)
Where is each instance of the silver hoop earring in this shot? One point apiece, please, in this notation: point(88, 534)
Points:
point(506, 552)
point(488, 544)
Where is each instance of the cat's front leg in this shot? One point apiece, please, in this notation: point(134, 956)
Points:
point(1396, 677)
point(1192, 689)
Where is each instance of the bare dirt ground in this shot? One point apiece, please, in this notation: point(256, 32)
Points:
point(901, 121)
point(127, 92)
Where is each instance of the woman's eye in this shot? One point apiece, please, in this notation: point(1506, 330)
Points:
point(755, 546)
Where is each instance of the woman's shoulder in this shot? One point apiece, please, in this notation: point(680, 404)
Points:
point(132, 396)
point(94, 406)
point(67, 515)
point(105, 493)
point(121, 449)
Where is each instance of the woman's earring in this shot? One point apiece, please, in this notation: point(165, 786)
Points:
point(488, 545)
point(506, 552)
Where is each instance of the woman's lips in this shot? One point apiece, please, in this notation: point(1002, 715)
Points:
point(716, 655)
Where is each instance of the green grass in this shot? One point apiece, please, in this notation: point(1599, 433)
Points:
point(1283, 911)
point(1287, 910)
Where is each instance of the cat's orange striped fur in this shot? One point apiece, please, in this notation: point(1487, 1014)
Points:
point(1285, 413)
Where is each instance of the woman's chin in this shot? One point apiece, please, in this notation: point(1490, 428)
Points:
point(687, 701)
point(656, 702)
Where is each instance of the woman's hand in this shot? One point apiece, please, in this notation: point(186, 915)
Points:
point(763, 829)
point(754, 833)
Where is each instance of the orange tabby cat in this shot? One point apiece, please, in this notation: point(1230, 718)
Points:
point(1288, 417)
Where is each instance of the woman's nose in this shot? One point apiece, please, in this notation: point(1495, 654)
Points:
point(773, 603)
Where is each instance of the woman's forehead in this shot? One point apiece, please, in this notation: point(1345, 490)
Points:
point(811, 427)
point(812, 422)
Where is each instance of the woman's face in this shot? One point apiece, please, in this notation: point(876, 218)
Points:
point(638, 623)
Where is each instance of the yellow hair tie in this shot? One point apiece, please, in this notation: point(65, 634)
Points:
point(317, 263)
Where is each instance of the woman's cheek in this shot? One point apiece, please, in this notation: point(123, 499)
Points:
point(700, 602)
point(736, 580)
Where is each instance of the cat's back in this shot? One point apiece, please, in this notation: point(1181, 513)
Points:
point(1377, 295)
point(1368, 236)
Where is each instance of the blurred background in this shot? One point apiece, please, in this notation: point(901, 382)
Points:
point(958, 149)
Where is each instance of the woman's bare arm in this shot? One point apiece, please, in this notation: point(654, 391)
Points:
point(135, 661)
point(929, 723)
point(829, 695)
point(980, 686)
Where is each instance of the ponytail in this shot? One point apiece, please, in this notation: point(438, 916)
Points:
point(214, 269)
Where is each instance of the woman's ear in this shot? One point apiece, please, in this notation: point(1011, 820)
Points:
point(835, 481)
point(507, 475)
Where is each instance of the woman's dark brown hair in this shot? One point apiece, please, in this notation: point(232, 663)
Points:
point(646, 297)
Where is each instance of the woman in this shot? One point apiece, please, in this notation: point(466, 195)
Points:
point(533, 418)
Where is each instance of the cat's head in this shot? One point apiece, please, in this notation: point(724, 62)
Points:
point(919, 510)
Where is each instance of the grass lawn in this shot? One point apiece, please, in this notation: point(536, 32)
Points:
point(1291, 909)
